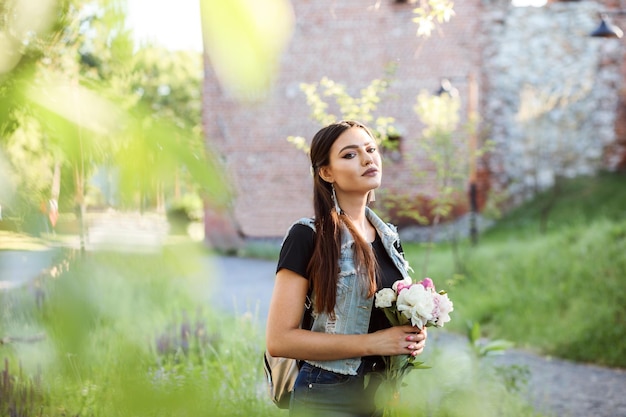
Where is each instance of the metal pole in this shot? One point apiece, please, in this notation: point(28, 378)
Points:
point(472, 106)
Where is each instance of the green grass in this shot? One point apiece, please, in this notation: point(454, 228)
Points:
point(579, 202)
point(128, 334)
point(560, 292)
point(19, 241)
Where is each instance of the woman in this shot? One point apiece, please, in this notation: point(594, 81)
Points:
point(342, 256)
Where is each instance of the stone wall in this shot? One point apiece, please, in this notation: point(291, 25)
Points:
point(550, 98)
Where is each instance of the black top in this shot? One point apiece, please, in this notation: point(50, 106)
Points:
point(297, 250)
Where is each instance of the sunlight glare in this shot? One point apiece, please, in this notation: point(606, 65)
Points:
point(528, 3)
point(173, 27)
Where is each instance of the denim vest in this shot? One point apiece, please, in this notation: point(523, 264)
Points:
point(352, 307)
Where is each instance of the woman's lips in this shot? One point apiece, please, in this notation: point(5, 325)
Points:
point(370, 172)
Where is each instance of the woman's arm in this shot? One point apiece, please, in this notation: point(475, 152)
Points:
point(284, 337)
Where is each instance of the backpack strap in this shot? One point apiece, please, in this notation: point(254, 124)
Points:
point(307, 317)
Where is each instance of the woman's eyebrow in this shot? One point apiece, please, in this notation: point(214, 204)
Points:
point(354, 146)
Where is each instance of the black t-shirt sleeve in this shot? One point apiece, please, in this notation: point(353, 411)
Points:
point(297, 249)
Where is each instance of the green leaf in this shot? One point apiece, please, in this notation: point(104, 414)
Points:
point(244, 41)
point(473, 333)
point(496, 346)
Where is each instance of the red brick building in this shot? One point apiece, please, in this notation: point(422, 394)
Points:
point(351, 42)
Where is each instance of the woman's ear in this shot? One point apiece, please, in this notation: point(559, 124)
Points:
point(326, 174)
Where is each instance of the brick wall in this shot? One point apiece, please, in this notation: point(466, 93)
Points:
point(351, 42)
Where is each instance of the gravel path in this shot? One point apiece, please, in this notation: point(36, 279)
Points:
point(18, 268)
point(568, 389)
point(561, 388)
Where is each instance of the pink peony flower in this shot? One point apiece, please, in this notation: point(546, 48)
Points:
point(427, 283)
point(402, 286)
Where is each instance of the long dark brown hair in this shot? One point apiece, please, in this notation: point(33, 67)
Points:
point(323, 268)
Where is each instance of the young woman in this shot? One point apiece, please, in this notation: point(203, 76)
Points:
point(341, 258)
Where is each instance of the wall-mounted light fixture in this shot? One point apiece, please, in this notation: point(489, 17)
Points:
point(606, 29)
point(445, 87)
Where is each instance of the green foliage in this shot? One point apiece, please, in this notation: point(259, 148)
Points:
point(440, 115)
point(361, 108)
point(81, 99)
point(446, 150)
point(581, 201)
point(131, 335)
point(560, 293)
point(483, 349)
point(181, 212)
point(258, 32)
point(189, 206)
point(460, 384)
point(430, 13)
point(19, 396)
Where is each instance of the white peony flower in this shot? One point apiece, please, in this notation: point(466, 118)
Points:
point(417, 304)
point(385, 298)
point(443, 307)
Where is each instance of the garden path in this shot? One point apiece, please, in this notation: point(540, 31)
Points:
point(17, 268)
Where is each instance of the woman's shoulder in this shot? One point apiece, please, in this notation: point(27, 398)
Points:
point(301, 230)
point(305, 221)
point(298, 244)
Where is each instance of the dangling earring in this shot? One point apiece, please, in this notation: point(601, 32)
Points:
point(337, 208)
point(371, 196)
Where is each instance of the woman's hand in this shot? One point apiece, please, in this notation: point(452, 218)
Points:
point(419, 341)
point(398, 340)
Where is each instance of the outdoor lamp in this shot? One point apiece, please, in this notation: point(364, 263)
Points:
point(446, 87)
point(606, 30)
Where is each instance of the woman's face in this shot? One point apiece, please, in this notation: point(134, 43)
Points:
point(354, 163)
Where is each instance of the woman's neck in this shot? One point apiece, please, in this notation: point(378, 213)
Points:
point(356, 214)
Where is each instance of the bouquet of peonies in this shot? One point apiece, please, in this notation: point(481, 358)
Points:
point(417, 304)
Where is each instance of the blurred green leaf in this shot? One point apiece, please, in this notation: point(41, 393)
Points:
point(244, 40)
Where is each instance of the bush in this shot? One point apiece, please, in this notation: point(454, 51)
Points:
point(183, 211)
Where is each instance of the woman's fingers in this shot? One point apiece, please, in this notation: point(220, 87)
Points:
point(418, 340)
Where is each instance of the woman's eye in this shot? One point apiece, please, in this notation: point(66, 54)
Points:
point(349, 155)
point(372, 150)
